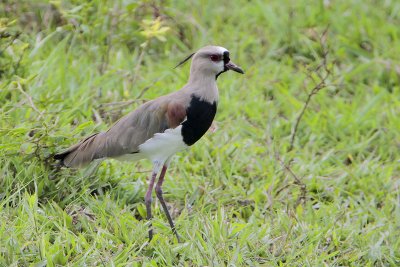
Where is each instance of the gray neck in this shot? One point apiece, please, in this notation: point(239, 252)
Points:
point(203, 85)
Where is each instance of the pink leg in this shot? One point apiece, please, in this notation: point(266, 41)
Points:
point(160, 197)
point(147, 201)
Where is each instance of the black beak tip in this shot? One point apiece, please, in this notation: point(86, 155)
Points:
point(234, 67)
point(238, 70)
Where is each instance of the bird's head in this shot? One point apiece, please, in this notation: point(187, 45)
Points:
point(212, 61)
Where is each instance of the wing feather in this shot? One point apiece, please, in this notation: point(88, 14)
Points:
point(127, 134)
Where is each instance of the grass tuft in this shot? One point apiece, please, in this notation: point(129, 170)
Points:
point(293, 175)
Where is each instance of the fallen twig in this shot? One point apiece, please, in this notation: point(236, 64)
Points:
point(297, 181)
point(30, 100)
point(319, 85)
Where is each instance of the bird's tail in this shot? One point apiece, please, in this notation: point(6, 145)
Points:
point(82, 153)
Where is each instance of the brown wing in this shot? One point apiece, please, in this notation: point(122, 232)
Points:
point(128, 133)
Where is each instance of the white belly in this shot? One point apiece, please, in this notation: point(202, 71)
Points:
point(130, 157)
point(162, 146)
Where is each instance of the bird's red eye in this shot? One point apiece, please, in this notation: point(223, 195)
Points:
point(215, 58)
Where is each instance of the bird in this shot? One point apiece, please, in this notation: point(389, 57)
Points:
point(160, 128)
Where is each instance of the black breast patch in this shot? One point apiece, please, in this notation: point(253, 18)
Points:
point(200, 115)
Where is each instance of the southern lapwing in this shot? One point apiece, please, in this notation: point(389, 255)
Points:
point(162, 127)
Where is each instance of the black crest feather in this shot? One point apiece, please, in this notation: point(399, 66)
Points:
point(183, 61)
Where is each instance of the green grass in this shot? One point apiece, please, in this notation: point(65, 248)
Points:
point(233, 200)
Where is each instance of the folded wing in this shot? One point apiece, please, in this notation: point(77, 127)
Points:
point(128, 133)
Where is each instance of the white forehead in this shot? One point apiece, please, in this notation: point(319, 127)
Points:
point(213, 49)
point(221, 49)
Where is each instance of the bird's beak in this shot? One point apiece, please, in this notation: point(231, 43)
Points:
point(232, 66)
